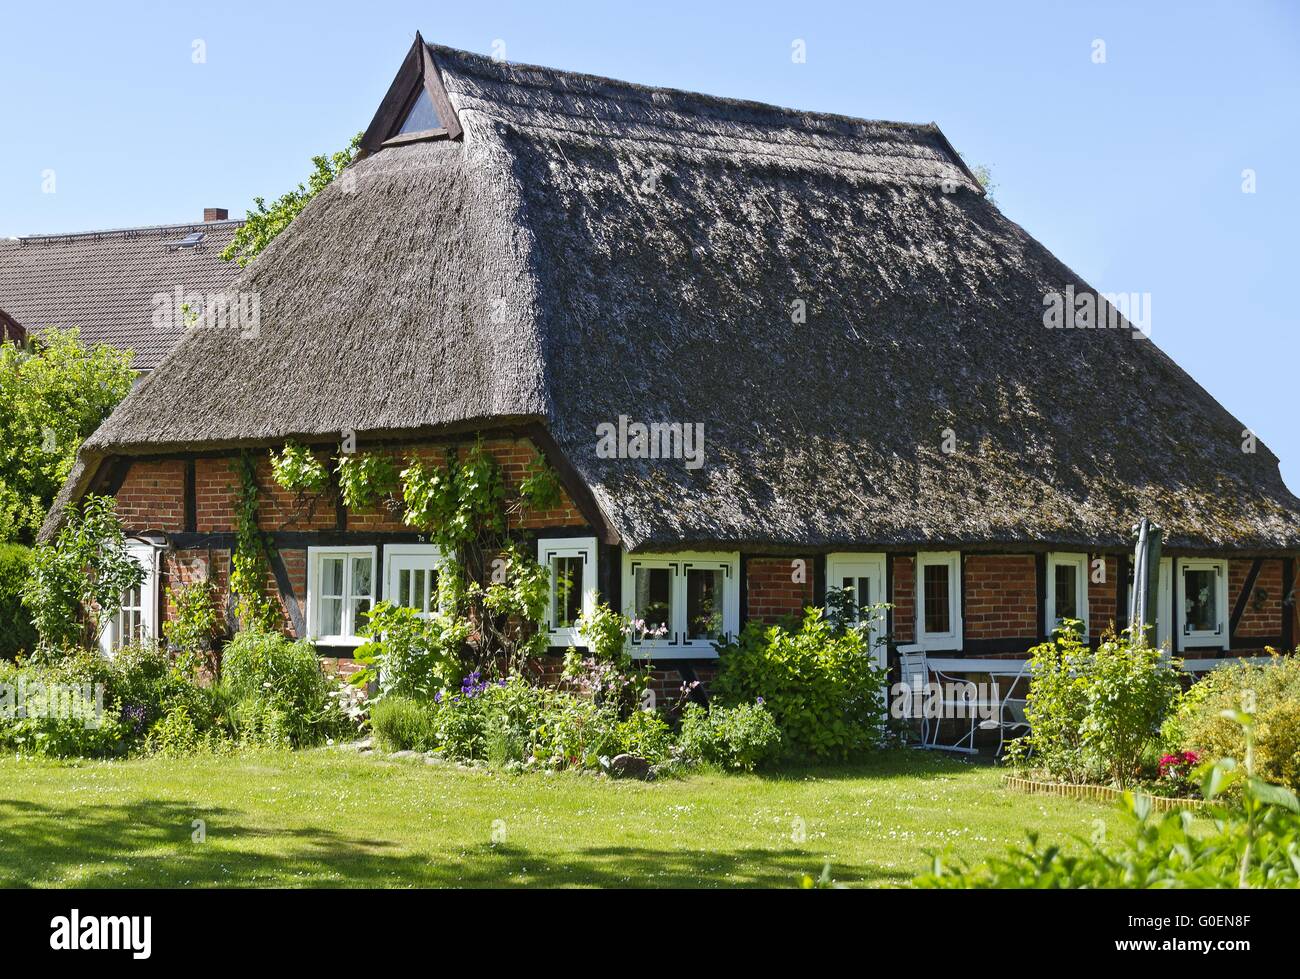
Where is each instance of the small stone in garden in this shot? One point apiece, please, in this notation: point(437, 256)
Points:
point(629, 766)
point(402, 754)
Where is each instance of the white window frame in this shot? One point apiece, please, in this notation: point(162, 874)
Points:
point(1218, 638)
point(314, 557)
point(145, 555)
point(1164, 600)
point(435, 559)
point(845, 564)
point(580, 547)
point(1079, 562)
point(675, 645)
point(952, 639)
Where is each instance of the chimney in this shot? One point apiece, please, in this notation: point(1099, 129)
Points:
point(215, 214)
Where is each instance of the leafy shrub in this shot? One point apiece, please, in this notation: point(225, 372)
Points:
point(1271, 690)
point(1254, 845)
point(1094, 714)
point(646, 734)
point(178, 734)
point(17, 634)
point(197, 621)
point(279, 687)
point(84, 572)
point(742, 738)
point(608, 674)
point(403, 724)
point(820, 684)
point(410, 655)
point(54, 719)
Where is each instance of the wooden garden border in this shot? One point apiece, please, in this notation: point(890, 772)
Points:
point(1095, 793)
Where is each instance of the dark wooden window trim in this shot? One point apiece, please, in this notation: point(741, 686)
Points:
point(418, 71)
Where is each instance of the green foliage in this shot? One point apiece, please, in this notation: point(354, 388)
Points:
point(458, 503)
point(1271, 691)
point(410, 655)
point(403, 724)
point(820, 683)
point(261, 226)
point(540, 490)
point(512, 606)
point(196, 622)
point(364, 480)
point(249, 566)
point(179, 734)
point(137, 689)
point(1255, 845)
point(512, 722)
point(17, 634)
point(79, 579)
point(278, 686)
point(608, 673)
point(58, 723)
point(297, 469)
point(1094, 714)
point(646, 734)
point(742, 738)
point(51, 399)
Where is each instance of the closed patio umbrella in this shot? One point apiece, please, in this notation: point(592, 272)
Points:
point(1146, 580)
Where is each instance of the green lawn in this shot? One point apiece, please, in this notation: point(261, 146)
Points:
point(328, 818)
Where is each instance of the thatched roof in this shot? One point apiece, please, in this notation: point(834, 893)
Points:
point(533, 270)
point(105, 282)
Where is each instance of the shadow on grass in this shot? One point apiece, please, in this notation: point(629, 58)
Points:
point(150, 843)
point(892, 763)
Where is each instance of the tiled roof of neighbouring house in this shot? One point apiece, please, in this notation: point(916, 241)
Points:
point(104, 282)
point(590, 249)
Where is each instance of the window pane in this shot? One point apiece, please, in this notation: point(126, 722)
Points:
point(404, 595)
point(704, 603)
point(935, 580)
point(566, 578)
point(654, 597)
point(1067, 604)
point(1200, 601)
point(422, 117)
point(361, 577)
point(331, 616)
point(331, 577)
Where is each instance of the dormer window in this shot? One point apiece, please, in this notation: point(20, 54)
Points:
point(422, 117)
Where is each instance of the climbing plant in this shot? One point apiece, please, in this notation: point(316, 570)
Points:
point(249, 561)
point(297, 469)
point(364, 480)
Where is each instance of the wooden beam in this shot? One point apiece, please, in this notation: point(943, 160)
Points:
point(1247, 587)
point(438, 94)
point(287, 595)
point(388, 116)
point(191, 497)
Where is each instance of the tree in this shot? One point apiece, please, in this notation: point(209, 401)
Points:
point(262, 226)
point(51, 399)
point(81, 577)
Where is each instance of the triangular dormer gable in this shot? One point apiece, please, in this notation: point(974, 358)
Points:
point(415, 107)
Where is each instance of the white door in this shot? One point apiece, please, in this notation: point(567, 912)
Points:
point(863, 576)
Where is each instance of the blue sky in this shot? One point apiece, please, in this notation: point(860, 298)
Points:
point(1129, 170)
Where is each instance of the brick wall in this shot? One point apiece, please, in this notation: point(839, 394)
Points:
point(1262, 615)
point(1001, 596)
point(152, 497)
point(1101, 599)
point(904, 598)
point(772, 592)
